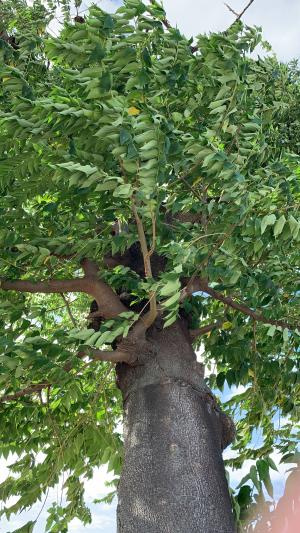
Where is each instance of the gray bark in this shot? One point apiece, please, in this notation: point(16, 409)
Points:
point(173, 478)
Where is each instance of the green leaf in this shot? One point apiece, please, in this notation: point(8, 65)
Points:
point(123, 191)
point(279, 225)
point(268, 220)
point(27, 528)
point(271, 331)
point(244, 496)
point(285, 335)
point(108, 185)
point(172, 300)
point(263, 469)
point(83, 334)
point(172, 318)
point(235, 277)
point(220, 380)
point(294, 226)
point(271, 463)
point(254, 478)
point(170, 287)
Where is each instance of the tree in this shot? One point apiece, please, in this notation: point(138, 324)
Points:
point(150, 206)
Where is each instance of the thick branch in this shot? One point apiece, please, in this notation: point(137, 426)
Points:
point(107, 300)
point(90, 268)
point(200, 284)
point(109, 304)
point(32, 389)
point(47, 287)
point(116, 356)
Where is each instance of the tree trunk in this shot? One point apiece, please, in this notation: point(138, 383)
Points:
point(173, 478)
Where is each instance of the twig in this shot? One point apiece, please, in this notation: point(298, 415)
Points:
point(239, 15)
point(194, 333)
point(116, 356)
point(200, 284)
point(152, 249)
point(231, 10)
point(69, 310)
point(151, 316)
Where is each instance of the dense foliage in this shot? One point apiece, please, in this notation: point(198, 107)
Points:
point(205, 141)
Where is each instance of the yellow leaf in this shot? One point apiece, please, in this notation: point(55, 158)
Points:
point(251, 373)
point(132, 111)
point(227, 325)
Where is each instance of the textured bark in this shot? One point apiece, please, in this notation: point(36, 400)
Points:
point(173, 478)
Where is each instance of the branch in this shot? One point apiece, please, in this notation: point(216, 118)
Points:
point(69, 309)
point(106, 298)
point(47, 287)
point(239, 15)
point(151, 316)
point(90, 268)
point(194, 333)
point(24, 392)
point(200, 284)
point(231, 10)
point(116, 356)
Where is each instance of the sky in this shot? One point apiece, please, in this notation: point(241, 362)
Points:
point(280, 22)
point(278, 18)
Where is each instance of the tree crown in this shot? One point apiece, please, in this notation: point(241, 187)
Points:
point(134, 163)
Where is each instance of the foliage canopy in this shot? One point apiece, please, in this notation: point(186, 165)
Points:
point(117, 116)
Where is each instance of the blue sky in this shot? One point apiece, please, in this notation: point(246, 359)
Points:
point(280, 22)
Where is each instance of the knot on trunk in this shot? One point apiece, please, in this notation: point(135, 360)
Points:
point(139, 350)
point(228, 432)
